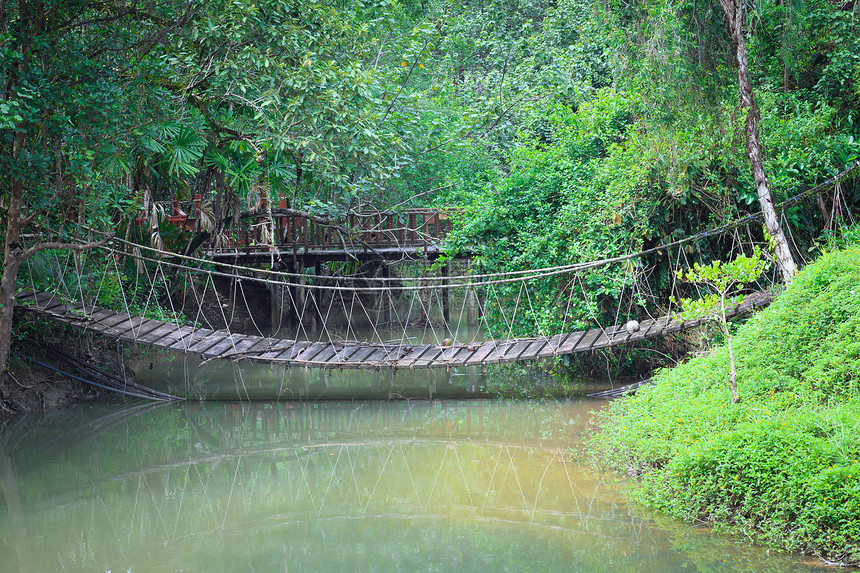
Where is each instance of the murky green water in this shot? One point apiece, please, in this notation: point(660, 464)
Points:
point(191, 377)
point(331, 486)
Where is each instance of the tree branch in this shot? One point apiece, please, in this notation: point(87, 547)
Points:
point(405, 81)
point(65, 246)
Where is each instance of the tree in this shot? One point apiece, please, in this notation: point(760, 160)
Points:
point(734, 12)
point(723, 278)
point(71, 100)
point(102, 100)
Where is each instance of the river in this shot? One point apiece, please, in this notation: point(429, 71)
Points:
point(406, 485)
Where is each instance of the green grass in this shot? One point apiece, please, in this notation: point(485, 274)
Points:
point(783, 465)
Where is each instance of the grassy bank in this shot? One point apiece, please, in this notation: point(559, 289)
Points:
point(783, 465)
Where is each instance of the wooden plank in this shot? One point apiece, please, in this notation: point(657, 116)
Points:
point(262, 346)
point(659, 326)
point(481, 353)
point(572, 341)
point(297, 349)
point(480, 350)
point(554, 343)
point(187, 341)
point(134, 323)
point(376, 358)
point(87, 310)
point(674, 326)
point(309, 352)
point(460, 354)
point(532, 350)
point(649, 328)
point(284, 351)
point(100, 314)
point(606, 337)
point(108, 321)
point(449, 353)
point(60, 313)
point(620, 336)
point(174, 336)
point(394, 353)
point(243, 344)
point(216, 337)
point(113, 326)
point(225, 344)
point(129, 328)
point(429, 357)
point(357, 358)
point(499, 352)
point(327, 354)
point(154, 336)
point(639, 334)
point(513, 352)
point(588, 340)
point(149, 325)
point(762, 299)
point(27, 295)
point(278, 347)
point(407, 360)
point(466, 354)
point(343, 354)
point(45, 301)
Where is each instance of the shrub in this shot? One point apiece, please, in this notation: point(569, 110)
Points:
point(782, 465)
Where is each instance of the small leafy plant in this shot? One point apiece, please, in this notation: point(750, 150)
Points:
point(724, 279)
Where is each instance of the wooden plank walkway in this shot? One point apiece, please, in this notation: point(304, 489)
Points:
point(214, 344)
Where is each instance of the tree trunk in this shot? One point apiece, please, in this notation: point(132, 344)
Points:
point(733, 380)
point(735, 19)
point(7, 309)
point(12, 259)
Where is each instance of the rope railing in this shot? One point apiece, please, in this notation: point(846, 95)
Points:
point(505, 315)
point(431, 282)
point(323, 307)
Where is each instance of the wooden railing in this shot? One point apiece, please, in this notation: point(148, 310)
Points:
point(406, 229)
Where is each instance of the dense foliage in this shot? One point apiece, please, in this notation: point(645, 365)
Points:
point(660, 152)
point(780, 466)
point(558, 132)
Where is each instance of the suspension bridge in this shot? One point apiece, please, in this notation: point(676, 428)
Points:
point(220, 344)
point(325, 316)
point(210, 343)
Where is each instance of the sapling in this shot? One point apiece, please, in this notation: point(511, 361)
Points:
point(724, 279)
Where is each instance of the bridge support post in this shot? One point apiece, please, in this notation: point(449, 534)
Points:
point(301, 295)
point(275, 299)
point(471, 303)
point(318, 296)
point(389, 301)
point(446, 306)
point(291, 292)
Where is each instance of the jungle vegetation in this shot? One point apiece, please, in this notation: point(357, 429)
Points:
point(776, 458)
point(557, 131)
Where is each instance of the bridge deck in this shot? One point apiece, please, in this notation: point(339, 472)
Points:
point(212, 344)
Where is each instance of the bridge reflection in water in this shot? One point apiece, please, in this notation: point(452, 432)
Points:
point(326, 486)
point(183, 375)
point(330, 486)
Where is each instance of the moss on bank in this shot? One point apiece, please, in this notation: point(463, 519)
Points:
point(783, 465)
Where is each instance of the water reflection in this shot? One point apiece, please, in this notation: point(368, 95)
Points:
point(329, 486)
point(191, 377)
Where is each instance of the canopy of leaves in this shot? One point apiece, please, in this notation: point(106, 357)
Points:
point(560, 131)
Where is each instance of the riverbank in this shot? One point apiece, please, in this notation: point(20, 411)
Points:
point(782, 466)
point(30, 387)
